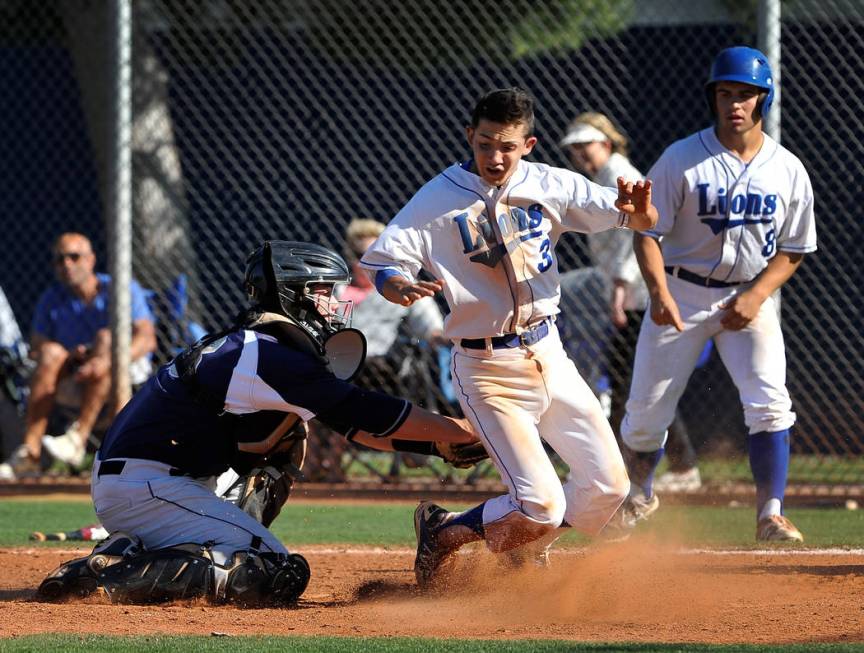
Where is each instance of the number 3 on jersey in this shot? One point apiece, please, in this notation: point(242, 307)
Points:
point(546, 256)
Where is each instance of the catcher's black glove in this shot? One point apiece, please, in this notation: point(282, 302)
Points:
point(461, 455)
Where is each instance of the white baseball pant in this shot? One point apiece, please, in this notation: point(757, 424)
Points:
point(515, 399)
point(755, 358)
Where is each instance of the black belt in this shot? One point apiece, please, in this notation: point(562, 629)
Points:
point(114, 467)
point(511, 340)
point(708, 282)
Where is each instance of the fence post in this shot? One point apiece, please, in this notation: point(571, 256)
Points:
point(769, 43)
point(120, 223)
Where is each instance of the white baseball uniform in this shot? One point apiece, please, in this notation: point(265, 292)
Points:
point(720, 219)
point(502, 279)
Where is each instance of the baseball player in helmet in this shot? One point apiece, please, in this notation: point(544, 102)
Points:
point(237, 399)
point(485, 230)
point(736, 219)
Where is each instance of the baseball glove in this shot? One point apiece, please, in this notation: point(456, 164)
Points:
point(263, 493)
point(461, 455)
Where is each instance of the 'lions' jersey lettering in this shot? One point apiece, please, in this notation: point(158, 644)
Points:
point(749, 204)
point(729, 217)
point(532, 210)
point(478, 237)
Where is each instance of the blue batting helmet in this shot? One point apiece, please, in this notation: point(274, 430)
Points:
point(745, 65)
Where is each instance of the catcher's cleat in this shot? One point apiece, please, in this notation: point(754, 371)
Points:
point(777, 528)
point(80, 576)
point(71, 578)
point(428, 521)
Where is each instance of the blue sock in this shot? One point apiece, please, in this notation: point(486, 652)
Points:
point(769, 461)
point(472, 519)
point(643, 464)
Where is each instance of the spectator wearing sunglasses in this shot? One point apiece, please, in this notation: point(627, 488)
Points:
point(71, 345)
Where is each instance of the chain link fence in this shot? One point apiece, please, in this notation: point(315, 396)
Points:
point(289, 118)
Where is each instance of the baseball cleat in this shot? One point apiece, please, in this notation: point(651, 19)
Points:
point(428, 519)
point(71, 578)
point(639, 507)
point(777, 528)
point(636, 507)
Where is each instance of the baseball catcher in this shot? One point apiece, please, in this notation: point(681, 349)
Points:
point(239, 399)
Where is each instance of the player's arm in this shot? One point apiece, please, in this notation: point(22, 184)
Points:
point(421, 427)
point(743, 308)
point(458, 453)
point(360, 411)
point(414, 430)
point(399, 290)
point(396, 258)
point(664, 310)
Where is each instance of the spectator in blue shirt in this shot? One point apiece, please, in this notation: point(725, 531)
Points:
point(71, 344)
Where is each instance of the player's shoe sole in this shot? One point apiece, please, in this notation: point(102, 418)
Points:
point(777, 528)
point(430, 558)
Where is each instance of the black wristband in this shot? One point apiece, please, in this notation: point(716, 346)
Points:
point(415, 446)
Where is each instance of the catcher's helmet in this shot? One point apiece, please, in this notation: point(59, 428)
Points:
point(281, 276)
point(745, 65)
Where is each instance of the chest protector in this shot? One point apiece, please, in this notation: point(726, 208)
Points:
point(259, 435)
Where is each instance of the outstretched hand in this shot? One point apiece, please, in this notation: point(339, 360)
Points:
point(634, 199)
point(401, 291)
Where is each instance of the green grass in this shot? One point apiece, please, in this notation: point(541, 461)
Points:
point(93, 644)
point(384, 524)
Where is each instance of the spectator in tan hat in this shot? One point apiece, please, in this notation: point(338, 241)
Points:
point(598, 149)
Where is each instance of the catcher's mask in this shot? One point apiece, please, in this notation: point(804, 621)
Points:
point(296, 280)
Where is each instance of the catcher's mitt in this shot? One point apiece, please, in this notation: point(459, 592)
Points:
point(461, 455)
point(266, 487)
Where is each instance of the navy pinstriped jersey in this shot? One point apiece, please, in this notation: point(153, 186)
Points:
point(258, 380)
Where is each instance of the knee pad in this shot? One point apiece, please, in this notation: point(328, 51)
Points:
point(257, 579)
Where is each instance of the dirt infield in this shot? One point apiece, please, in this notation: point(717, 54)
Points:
point(622, 592)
